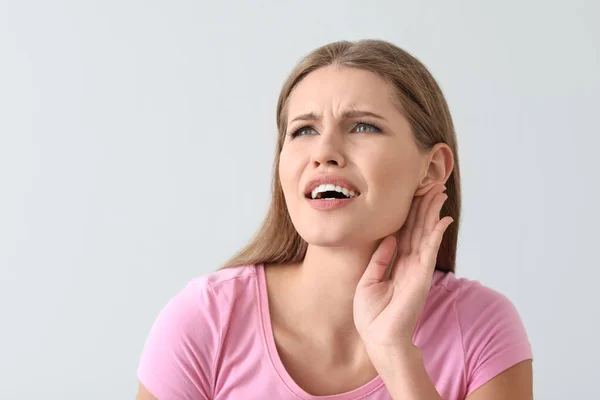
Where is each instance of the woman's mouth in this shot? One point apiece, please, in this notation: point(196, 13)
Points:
point(328, 197)
point(331, 192)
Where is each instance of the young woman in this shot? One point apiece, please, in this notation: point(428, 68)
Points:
point(347, 291)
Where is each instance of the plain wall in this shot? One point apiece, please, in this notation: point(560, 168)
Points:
point(136, 145)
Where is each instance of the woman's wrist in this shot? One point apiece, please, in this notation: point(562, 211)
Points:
point(403, 372)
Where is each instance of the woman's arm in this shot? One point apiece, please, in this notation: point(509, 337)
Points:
point(516, 383)
point(403, 372)
point(405, 377)
point(144, 394)
point(180, 351)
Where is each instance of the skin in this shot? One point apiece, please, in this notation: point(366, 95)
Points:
point(337, 319)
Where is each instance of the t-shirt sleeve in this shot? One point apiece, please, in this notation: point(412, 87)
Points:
point(178, 359)
point(493, 334)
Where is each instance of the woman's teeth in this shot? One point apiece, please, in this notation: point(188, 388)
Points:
point(318, 192)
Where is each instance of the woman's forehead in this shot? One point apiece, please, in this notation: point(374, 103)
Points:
point(338, 90)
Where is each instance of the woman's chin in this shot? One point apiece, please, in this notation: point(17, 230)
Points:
point(340, 236)
point(334, 238)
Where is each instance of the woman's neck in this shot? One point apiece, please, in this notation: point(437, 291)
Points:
point(318, 293)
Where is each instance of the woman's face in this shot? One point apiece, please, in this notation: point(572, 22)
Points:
point(343, 128)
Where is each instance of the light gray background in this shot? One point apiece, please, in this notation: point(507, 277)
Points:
point(136, 142)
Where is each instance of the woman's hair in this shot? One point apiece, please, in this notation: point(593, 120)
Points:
point(422, 103)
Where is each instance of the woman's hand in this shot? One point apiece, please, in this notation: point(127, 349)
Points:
point(386, 311)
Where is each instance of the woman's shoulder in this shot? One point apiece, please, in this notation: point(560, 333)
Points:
point(227, 276)
point(471, 303)
point(188, 333)
point(206, 297)
point(467, 296)
point(476, 311)
point(208, 293)
point(468, 323)
point(216, 278)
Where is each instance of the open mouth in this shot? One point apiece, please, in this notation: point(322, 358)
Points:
point(331, 192)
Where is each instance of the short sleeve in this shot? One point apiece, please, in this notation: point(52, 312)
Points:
point(178, 359)
point(493, 334)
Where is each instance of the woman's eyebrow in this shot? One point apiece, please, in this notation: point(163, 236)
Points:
point(310, 116)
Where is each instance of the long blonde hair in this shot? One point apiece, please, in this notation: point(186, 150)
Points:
point(423, 104)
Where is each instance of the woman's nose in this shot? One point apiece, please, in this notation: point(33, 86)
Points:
point(328, 150)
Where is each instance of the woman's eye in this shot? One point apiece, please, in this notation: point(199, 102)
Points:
point(362, 127)
point(302, 131)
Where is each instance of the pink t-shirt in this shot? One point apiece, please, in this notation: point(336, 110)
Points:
point(214, 340)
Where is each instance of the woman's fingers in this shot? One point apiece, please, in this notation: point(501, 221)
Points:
point(434, 212)
point(432, 245)
point(424, 209)
point(404, 239)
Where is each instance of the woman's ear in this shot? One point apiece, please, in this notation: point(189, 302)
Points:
point(439, 164)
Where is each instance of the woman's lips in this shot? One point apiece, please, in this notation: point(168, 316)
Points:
point(332, 204)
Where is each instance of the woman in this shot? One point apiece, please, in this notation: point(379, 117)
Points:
point(347, 291)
